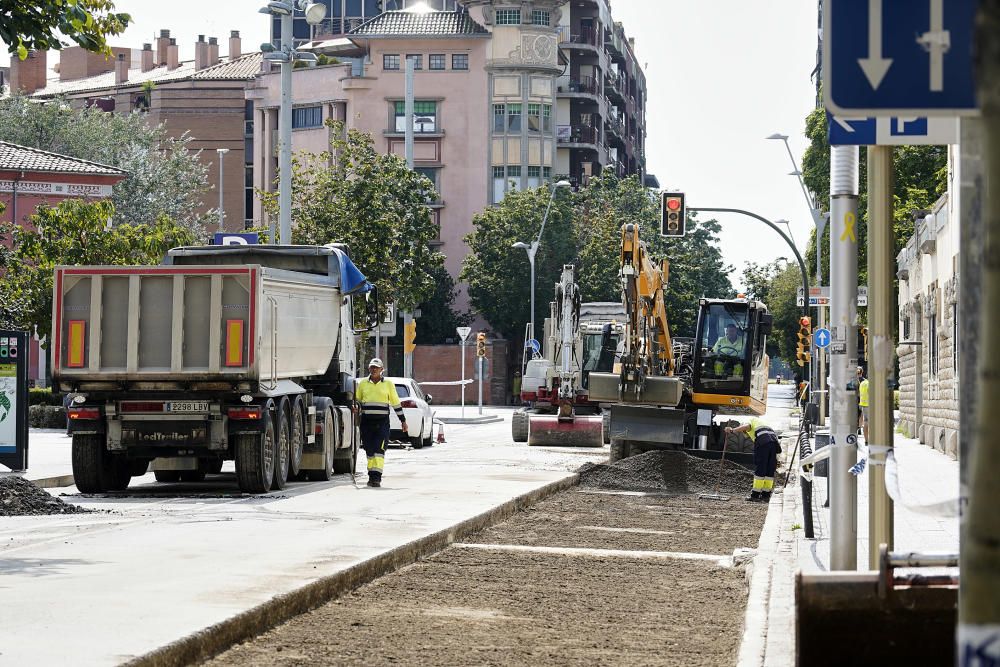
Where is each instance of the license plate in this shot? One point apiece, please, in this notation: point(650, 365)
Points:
point(186, 406)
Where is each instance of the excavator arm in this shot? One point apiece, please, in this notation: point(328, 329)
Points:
point(649, 349)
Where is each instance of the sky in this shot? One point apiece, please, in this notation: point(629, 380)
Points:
point(722, 75)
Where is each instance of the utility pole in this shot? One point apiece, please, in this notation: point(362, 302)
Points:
point(820, 220)
point(843, 356)
point(408, 142)
point(979, 598)
point(285, 133)
point(881, 313)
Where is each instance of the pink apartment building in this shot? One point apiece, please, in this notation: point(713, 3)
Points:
point(485, 96)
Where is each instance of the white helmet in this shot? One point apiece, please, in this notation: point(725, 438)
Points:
point(376, 362)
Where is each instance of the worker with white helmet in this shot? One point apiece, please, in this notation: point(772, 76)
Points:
point(376, 396)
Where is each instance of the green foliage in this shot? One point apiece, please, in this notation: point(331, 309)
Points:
point(43, 396)
point(164, 177)
point(438, 318)
point(353, 194)
point(36, 24)
point(74, 233)
point(584, 229)
point(782, 293)
point(921, 177)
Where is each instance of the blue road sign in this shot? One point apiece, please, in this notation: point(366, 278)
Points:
point(533, 345)
point(232, 238)
point(822, 338)
point(891, 131)
point(899, 57)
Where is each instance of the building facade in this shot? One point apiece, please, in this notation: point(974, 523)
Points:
point(601, 120)
point(203, 98)
point(929, 325)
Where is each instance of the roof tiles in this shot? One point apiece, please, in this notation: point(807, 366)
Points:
point(22, 158)
point(408, 23)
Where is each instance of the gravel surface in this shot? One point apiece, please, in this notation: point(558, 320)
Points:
point(19, 497)
point(667, 472)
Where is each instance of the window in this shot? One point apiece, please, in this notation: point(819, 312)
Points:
point(247, 196)
point(499, 117)
point(304, 117)
point(513, 179)
point(424, 117)
point(540, 17)
point(498, 184)
point(402, 391)
point(723, 334)
point(547, 173)
point(534, 177)
point(534, 117)
point(460, 61)
point(547, 118)
point(418, 60)
point(508, 17)
point(432, 175)
point(435, 61)
point(932, 346)
point(390, 61)
point(514, 117)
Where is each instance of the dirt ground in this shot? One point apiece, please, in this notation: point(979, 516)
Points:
point(466, 606)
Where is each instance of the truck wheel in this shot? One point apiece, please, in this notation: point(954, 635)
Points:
point(282, 454)
point(329, 448)
point(255, 457)
point(298, 439)
point(88, 463)
point(519, 426)
point(345, 460)
point(116, 473)
point(167, 476)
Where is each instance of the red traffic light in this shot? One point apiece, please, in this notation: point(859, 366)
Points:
point(673, 203)
point(805, 321)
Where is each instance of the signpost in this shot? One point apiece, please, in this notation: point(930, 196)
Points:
point(822, 338)
point(907, 58)
point(891, 131)
point(232, 238)
point(14, 400)
point(819, 297)
point(463, 333)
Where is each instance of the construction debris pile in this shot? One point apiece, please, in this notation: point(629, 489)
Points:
point(666, 472)
point(19, 497)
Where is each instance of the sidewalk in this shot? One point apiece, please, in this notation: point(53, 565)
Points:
point(925, 476)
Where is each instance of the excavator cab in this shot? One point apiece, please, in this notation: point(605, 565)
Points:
point(730, 365)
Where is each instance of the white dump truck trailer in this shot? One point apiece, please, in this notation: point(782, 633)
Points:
point(242, 353)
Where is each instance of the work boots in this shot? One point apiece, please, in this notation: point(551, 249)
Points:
point(374, 483)
point(765, 496)
point(754, 497)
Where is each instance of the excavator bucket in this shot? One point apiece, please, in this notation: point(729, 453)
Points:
point(579, 431)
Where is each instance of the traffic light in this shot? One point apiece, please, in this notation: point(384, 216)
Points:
point(480, 344)
point(802, 349)
point(673, 215)
point(409, 337)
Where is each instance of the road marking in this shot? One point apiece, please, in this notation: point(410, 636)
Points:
point(721, 561)
point(641, 531)
point(641, 494)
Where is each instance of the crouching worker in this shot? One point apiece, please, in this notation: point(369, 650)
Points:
point(765, 457)
point(376, 396)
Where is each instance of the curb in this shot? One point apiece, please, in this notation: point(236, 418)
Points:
point(43, 482)
point(759, 579)
point(471, 420)
point(215, 639)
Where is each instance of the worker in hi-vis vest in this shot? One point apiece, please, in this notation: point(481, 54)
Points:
point(765, 457)
point(375, 397)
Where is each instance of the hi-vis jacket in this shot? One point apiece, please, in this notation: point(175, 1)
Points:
point(759, 427)
point(376, 398)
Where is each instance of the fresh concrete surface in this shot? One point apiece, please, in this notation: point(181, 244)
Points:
point(164, 563)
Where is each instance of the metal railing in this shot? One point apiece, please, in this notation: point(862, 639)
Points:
point(585, 36)
point(580, 134)
point(584, 84)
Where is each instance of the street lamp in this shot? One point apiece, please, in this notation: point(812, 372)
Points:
point(788, 226)
point(222, 212)
point(819, 218)
point(533, 248)
point(286, 56)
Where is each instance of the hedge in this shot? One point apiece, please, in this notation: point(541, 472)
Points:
point(43, 396)
point(46, 416)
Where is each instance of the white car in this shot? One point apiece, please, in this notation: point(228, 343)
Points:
point(416, 407)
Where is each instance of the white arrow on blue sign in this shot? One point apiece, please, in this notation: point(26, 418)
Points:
point(822, 338)
point(907, 58)
point(892, 131)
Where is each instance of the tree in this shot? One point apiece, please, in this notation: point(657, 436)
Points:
point(354, 195)
point(32, 24)
point(438, 318)
point(164, 177)
point(75, 232)
point(498, 275)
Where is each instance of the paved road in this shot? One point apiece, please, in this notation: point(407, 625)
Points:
point(167, 560)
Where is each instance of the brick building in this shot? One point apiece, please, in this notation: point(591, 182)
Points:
point(30, 177)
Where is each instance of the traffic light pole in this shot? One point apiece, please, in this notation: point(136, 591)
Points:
point(408, 150)
point(843, 356)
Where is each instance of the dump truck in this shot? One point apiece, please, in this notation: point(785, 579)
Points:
point(243, 353)
point(579, 339)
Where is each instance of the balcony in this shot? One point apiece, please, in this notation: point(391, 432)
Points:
point(585, 85)
point(613, 87)
point(578, 136)
point(616, 127)
point(585, 37)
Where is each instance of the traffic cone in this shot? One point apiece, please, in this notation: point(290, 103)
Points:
point(440, 437)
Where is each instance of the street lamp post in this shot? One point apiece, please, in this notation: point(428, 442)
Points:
point(533, 248)
point(222, 211)
point(286, 56)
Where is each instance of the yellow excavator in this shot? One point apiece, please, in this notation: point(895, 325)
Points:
point(664, 392)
